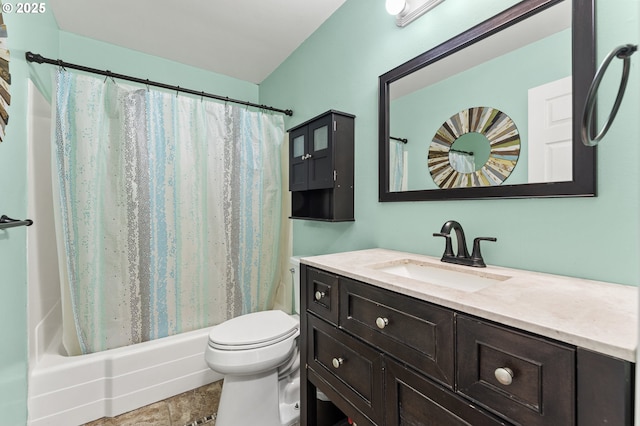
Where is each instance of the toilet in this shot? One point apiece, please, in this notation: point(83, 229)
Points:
point(259, 357)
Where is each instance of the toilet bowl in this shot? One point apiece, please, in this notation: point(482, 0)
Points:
point(258, 355)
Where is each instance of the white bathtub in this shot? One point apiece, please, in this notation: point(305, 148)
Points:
point(74, 390)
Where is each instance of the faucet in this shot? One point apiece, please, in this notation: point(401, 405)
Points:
point(462, 257)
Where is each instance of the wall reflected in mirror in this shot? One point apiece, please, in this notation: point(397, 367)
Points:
point(524, 71)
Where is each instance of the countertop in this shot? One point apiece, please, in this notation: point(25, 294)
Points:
point(595, 315)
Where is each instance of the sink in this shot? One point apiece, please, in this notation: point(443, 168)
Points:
point(442, 275)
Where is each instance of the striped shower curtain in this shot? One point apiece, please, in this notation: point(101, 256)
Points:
point(397, 166)
point(168, 210)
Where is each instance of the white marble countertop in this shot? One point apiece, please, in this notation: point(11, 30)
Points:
point(595, 315)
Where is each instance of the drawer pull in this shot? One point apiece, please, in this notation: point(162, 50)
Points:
point(319, 295)
point(382, 322)
point(504, 375)
point(337, 362)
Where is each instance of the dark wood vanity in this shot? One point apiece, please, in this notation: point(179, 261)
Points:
point(385, 358)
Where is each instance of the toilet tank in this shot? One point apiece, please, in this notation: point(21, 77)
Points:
point(294, 263)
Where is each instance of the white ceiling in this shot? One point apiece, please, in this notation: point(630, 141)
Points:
point(245, 39)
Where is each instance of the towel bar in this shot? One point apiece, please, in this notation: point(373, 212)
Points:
point(7, 222)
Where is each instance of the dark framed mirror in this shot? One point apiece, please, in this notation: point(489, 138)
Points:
point(534, 61)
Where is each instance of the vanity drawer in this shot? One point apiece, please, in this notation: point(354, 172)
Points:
point(322, 294)
point(351, 367)
point(541, 372)
point(409, 329)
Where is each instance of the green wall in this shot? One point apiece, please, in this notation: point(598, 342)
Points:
point(40, 34)
point(338, 68)
point(96, 54)
point(25, 32)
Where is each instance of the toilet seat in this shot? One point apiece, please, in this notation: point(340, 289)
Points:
point(253, 331)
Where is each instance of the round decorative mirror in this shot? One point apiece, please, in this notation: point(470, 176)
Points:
point(478, 146)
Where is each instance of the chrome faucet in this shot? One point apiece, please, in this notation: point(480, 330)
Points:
point(462, 258)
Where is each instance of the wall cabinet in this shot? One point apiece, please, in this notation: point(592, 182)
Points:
point(385, 358)
point(321, 167)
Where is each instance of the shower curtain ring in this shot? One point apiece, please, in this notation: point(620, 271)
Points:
point(623, 52)
point(177, 90)
point(108, 75)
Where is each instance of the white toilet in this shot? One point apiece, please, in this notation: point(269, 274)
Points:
point(258, 355)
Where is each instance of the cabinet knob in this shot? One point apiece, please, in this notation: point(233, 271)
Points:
point(319, 295)
point(337, 362)
point(382, 322)
point(504, 375)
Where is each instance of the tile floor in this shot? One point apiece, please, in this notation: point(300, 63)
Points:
point(193, 408)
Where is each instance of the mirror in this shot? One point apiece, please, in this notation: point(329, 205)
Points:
point(475, 147)
point(512, 63)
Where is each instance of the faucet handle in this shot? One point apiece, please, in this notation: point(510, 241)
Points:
point(448, 247)
point(476, 256)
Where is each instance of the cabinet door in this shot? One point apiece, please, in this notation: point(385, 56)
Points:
point(320, 149)
point(298, 164)
point(411, 399)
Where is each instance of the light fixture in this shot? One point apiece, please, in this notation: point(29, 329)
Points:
point(395, 7)
point(407, 11)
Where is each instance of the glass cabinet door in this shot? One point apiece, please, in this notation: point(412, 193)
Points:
point(321, 159)
point(298, 162)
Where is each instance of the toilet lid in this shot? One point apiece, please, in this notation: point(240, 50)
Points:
point(253, 330)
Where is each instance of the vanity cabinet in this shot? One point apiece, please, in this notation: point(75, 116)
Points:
point(321, 159)
point(385, 358)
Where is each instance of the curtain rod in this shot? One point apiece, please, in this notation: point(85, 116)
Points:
point(403, 140)
point(460, 151)
point(34, 57)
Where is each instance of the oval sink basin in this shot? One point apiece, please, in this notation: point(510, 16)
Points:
point(442, 275)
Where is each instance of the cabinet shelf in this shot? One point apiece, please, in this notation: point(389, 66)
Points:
point(319, 219)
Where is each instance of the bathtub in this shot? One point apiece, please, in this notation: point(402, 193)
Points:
point(74, 390)
point(66, 390)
